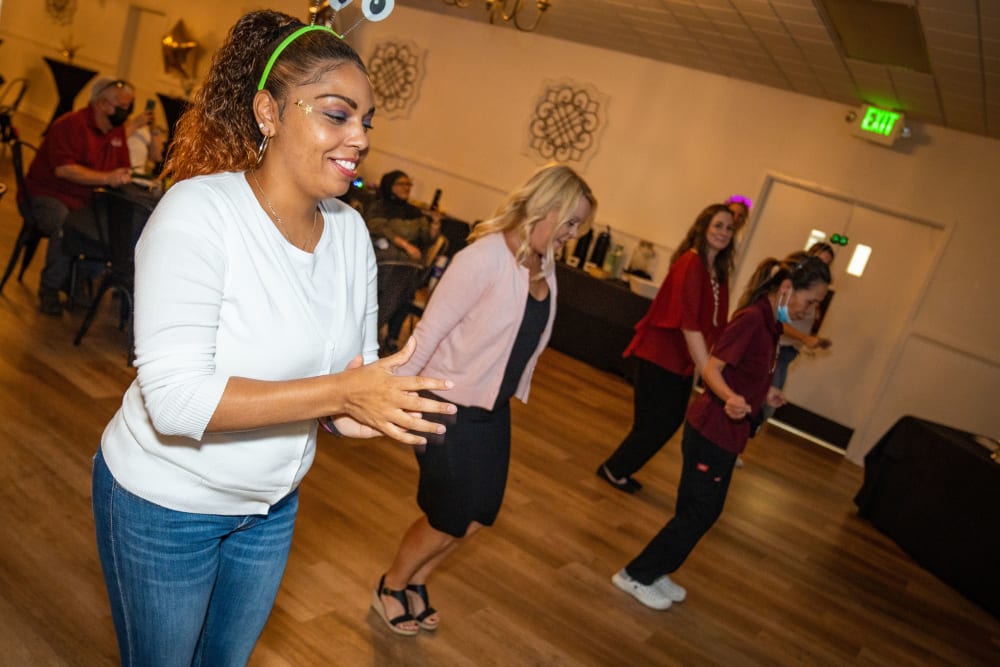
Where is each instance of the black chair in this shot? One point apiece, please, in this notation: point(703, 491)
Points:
point(456, 231)
point(397, 282)
point(122, 216)
point(30, 235)
point(10, 100)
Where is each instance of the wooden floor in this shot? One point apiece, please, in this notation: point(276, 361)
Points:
point(789, 575)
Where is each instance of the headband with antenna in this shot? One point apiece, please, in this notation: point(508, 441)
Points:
point(373, 11)
point(285, 42)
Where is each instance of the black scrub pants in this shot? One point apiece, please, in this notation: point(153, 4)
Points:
point(661, 400)
point(705, 479)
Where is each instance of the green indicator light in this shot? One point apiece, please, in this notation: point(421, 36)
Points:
point(880, 121)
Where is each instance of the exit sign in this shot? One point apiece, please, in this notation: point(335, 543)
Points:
point(879, 125)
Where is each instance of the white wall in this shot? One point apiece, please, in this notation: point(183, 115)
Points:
point(676, 140)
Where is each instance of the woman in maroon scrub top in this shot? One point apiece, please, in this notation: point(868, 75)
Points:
point(738, 380)
point(673, 340)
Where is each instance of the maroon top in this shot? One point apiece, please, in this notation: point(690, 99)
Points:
point(685, 301)
point(749, 346)
point(75, 139)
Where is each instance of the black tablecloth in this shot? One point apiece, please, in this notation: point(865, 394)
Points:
point(595, 318)
point(70, 80)
point(935, 491)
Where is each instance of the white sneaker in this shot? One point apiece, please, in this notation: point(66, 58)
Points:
point(651, 596)
point(670, 589)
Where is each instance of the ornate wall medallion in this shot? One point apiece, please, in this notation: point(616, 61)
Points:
point(397, 69)
point(567, 122)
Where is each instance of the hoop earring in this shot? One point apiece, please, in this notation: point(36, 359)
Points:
point(261, 149)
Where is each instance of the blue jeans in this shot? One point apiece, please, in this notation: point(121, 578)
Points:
point(187, 589)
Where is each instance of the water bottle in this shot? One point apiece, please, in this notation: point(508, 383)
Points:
point(601, 246)
point(436, 271)
point(613, 262)
point(582, 246)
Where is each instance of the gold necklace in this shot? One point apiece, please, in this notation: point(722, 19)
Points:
point(277, 218)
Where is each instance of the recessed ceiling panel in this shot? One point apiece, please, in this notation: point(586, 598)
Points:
point(862, 27)
point(952, 47)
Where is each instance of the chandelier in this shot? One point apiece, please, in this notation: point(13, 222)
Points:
point(497, 10)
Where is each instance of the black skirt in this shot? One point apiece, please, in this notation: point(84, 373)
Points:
point(463, 478)
point(463, 475)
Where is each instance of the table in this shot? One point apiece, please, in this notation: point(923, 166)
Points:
point(70, 80)
point(934, 490)
point(595, 319)
point(121, 212)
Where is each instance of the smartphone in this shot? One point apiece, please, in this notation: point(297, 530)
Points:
point(150, 104)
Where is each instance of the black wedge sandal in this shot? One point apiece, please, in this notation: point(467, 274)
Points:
point(421, 618)
point(400, 597)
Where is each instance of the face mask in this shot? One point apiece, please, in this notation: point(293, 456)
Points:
point(782, 310)
point(119, 116)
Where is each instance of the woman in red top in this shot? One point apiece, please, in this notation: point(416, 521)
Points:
point(673, 339)
point(738, 378)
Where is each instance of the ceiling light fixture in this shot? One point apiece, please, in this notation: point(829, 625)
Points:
point(497, 10)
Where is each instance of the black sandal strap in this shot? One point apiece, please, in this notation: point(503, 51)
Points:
point(421, 590)
point(399, 595)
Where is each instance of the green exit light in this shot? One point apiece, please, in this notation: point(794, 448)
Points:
point(880, 121)
point(877, 125)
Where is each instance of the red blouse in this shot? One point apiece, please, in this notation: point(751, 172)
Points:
point(685, 301)
point(749, 346)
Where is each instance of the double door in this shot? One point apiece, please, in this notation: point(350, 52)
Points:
point(868, 313)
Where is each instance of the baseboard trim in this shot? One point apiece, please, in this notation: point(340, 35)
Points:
point(788, 428)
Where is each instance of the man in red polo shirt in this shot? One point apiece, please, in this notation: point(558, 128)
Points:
point(83, 149)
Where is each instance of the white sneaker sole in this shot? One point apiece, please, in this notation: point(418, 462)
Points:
point(673, 591)
point(647, 595)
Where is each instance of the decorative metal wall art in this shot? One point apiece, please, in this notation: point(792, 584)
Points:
point(567, 122)
point(396, 68)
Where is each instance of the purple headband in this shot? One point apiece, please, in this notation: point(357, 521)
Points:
point(740, 199)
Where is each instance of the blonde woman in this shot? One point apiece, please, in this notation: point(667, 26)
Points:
point(488, 321)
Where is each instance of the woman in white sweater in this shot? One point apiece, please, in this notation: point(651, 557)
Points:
point(255, 312)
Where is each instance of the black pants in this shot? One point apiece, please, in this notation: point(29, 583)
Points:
point(702, 492)
point(661, 399)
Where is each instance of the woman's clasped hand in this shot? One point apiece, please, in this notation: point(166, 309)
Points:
point(379, 402)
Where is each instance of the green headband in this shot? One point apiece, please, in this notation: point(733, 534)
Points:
point(284, 43)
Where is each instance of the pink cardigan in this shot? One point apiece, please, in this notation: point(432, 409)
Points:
point(468, 329)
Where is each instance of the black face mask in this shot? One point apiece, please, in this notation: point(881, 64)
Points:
point(120, 115)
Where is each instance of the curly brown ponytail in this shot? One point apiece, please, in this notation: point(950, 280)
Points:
point(218, 132)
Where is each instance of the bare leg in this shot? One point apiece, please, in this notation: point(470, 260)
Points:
point(423, 548)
